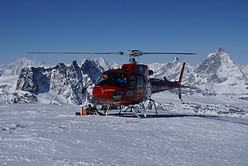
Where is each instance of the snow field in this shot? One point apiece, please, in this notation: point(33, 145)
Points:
point(38, 134)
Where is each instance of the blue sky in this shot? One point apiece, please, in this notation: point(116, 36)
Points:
point(199, 26)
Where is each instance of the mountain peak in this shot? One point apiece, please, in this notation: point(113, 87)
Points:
point(220, 50)
point(219, 68)
point(216, 60)
point(176, 59)
point(16, 67)
point(220, 54)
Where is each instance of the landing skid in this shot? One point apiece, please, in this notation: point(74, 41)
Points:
point(138, 110)
point(135, 109)
point(151, 105)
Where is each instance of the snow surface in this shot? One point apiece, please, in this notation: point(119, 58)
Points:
point(47, 134)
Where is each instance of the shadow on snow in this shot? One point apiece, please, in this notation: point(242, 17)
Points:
point(213, 117)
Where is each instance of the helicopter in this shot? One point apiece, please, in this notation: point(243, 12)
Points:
point(130, 86)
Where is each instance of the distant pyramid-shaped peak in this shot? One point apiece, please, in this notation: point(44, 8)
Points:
point(220, 60)
point(220, 51)
point(219, 54)
point(176, 60)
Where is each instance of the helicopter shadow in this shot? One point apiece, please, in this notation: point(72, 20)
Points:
point(240, 121)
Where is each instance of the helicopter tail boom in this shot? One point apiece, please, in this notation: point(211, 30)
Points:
point(159, 85)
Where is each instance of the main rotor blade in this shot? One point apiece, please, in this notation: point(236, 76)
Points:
point(131, 53)
point(32, 52)
point(182, 53)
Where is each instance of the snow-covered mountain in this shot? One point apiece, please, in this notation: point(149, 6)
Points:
point(9, 94)
point(94, 67)
point(22, 82)
point(63, 80)
point(16, 67)
point(219, 72)
point(216, 75)
point(171, 70)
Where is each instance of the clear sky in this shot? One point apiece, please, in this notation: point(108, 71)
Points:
point(199, 26)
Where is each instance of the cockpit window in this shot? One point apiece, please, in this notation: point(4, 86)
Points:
point(118, 79)
point(132, 82)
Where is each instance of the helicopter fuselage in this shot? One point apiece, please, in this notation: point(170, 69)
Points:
point(130, 85)
point(126, 86)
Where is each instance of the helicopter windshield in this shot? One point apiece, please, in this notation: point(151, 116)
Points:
point(118, 79)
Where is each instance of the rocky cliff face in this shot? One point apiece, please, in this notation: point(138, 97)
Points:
point(64, 80)
point(33, 80)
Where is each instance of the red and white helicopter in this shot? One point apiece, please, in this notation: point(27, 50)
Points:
point(130, 86)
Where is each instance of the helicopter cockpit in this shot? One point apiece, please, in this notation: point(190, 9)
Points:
point(118, 79)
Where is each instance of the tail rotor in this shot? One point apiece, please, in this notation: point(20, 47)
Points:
point(179, 81)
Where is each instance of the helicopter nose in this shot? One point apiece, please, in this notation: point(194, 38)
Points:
point(107, 94)
point(103, 94)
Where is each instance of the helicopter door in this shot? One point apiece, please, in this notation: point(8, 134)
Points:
point(136, 86)
point(140, 90)
point(131, 86)
point(140, 82)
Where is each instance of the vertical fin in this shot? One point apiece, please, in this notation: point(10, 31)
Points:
point(181, 74)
